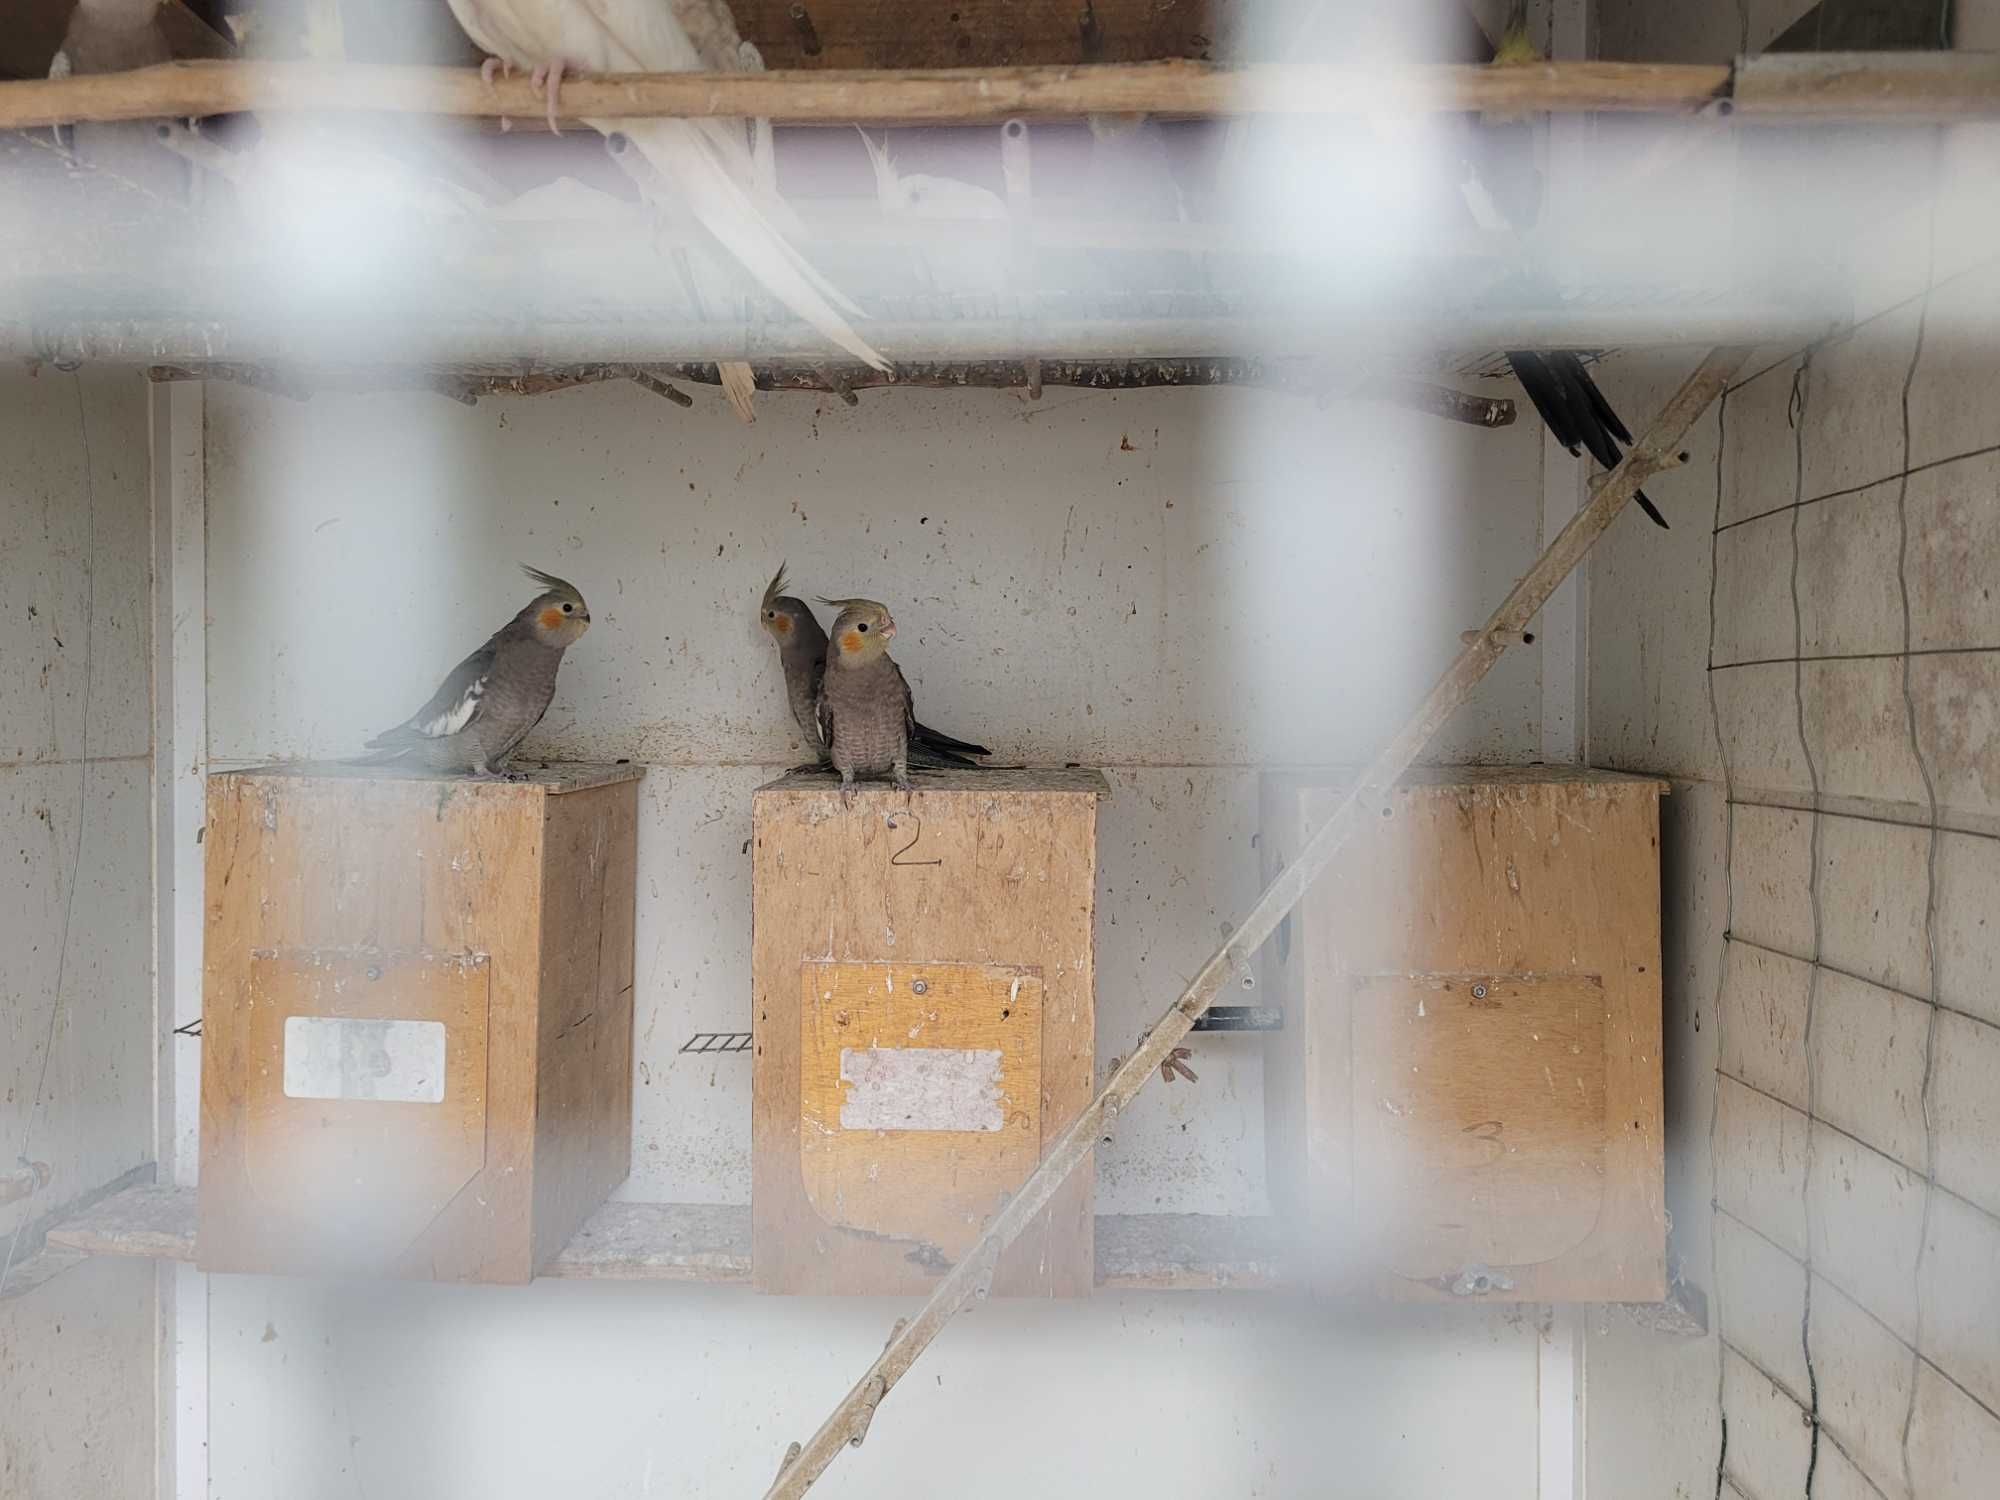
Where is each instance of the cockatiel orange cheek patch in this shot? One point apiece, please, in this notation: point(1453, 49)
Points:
point(551, 618)
point(782, 624)
point(851, 641)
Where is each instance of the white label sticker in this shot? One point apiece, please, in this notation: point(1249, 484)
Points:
point(921, 1088)
point(333, 1057)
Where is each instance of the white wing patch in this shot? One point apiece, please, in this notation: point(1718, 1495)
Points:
point(455, 718)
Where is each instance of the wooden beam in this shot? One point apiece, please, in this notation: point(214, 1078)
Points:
point(825, 97)
point(1798, 88)
point(1369, 798)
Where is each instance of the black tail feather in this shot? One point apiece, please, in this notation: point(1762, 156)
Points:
point(933, 756)
point(1575, 410)
point(938, 740)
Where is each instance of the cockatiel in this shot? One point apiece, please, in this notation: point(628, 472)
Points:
point(707, 163)
point(865, 716)
point(1503, 189)
point(486, 707)
point(802, 653)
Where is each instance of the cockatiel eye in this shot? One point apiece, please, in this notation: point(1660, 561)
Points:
point(569, 609)
point(862, 627)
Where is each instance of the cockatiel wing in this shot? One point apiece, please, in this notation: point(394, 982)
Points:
point(909, 702)
point(822, 709)
point(453, 708)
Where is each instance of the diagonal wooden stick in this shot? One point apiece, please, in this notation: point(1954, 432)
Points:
point(1369, 797)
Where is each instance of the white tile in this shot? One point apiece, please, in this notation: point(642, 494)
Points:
point(1868, 1056)
point(1853, 418)
point(1874, 880)
point(1960, 1296)
point(1866, 1221)
point(1965, 1105)
point(1858, 725)
point(1764, 1021)
point(1958, 726)
point(1770, 878)
point(1864, 1373)
point(1758, 710)
point(1849, 555)
point(1968, 208)
point(1949, 410)
point(1753, 592)
point(1954, 1442)
point(1954, 522)
point(1762, 1304)
point(1968, 923)
point(1769, 1442)
point(1835, 1478)
point(1759, 465)
point(1760, 1164)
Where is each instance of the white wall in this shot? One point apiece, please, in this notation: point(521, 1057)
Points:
point(76, 1363)
point(1179, 586)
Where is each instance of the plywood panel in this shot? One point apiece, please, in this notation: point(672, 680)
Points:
point(1467, 1164)
point(342, 874)
point(994, 870)
point(920, 1094)
point(1529, 1133)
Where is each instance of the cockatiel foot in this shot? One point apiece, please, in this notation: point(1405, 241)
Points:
point(497, 67)
point(548, 78)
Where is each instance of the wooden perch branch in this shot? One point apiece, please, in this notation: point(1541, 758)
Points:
point(1813, 86)
point(1300, 377)
point(1368, 798)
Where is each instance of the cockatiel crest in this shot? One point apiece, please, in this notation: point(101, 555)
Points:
point(559, 614)
point(778, 613)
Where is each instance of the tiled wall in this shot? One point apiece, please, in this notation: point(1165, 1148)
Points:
point(1854, 668)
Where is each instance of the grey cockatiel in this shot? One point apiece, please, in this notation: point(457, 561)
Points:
point(486, 707)
point(864, 703)
point(802, 654)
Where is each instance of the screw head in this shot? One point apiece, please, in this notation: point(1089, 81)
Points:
point(920, 986)
point(374, 971)
point(1479, 992)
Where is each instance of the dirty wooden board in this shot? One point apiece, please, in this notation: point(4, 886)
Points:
point(1474, 1078)
point(971, 868)
point(710, 1242)
point(919, 1083)
point(393, 884)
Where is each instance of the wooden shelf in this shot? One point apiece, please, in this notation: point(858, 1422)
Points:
point(711, 1243)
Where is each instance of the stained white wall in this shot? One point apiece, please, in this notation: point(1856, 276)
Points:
point(1797, 1095)
point(1180, 586)
point(76, 1354)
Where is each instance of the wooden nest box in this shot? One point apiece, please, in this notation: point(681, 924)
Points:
point(924, 1025)
point(1465, 1101)
point(416, 1018)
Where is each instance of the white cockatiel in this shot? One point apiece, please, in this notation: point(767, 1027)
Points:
point(707, 163)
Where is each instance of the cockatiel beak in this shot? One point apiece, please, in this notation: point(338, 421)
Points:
point(888, 630)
